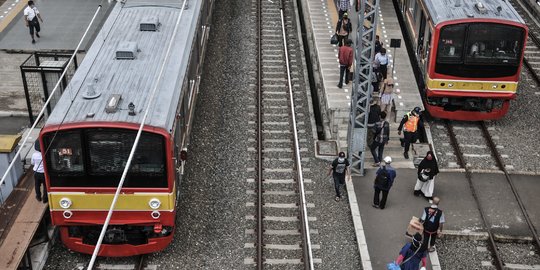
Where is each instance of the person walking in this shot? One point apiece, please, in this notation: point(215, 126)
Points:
point(433, 220)
point(31, 16)
point(345, 55)
point(343, 7)
point(39, 173)
point(343, 28)
point(409, 125)
point(412, 255)
point(387, 96)
point(374, 116)
point(382, 134)
point(381, 62)
point(339, 170)
point(427, 170)
point(384, 180)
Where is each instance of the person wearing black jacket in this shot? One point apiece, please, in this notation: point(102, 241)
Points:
point(425, 182)
point(382, 134)
point(409, 124)
point(343, 28)
point(374, 116)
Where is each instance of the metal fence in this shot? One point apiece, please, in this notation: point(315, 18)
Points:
point(40, 73)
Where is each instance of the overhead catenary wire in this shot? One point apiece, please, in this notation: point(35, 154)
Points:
point(136, 142)
point(308, 255)
point(51, 95)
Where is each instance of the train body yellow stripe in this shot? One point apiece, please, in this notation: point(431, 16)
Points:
point(102, 202)
point(469, 86)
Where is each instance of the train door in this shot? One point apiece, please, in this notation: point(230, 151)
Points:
point(404, 5)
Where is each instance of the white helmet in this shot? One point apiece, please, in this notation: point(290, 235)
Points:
point(388, 160)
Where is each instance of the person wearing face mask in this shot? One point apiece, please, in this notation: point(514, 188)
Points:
point(339, 170)
point(427, 170)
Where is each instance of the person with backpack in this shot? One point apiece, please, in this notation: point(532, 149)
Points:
point(411, 255)
point(427, 170)
point(433, 220)
point(339, 170)
point(383, 182)
point(381, 136)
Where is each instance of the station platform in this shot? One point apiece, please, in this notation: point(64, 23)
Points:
point(60, 31)
point(385, 229)
point(21, 216)
point(335, 102)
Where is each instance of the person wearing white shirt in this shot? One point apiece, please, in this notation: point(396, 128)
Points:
point(381, 63)
point(31, 16)
point(39, 173)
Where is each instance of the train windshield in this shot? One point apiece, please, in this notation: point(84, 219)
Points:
point(480, 50)
point(97, 157)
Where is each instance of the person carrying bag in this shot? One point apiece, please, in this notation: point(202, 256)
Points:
point(410, 256)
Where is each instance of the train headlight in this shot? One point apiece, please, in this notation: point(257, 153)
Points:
point(494, 86)
point(450, 85)
point(67, 214)
point(65, 203)
point(154, 203)
point(155, 214)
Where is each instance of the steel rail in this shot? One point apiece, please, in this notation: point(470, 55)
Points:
point(141, 260)
point(51, 95)
point(501, 166)
point(308, 255)
point(259, 247)
point(468, 175)
point(137, 138)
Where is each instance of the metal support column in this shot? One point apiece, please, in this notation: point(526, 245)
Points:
point(362, 88)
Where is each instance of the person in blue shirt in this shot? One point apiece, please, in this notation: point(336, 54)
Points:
point(412, 255)
point(383, 182)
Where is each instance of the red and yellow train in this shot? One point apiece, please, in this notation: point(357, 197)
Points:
point(88, 137)
point(470, 54)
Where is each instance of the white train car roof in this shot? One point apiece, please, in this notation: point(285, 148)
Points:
point(448, 10)
point(132, 79)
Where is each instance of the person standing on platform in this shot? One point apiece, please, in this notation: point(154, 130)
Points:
point(384, 180)
point(345, 55)
point(427, 170)
point(374, 116)
point(39, 173)
point(387, 96)
point(339, 170)
point(412, 255)
point(409, 125)
point(381, 61)
point(378, 44)
point(31, 16)
point(343, 28)
point(382, 134)
point(433, 220)
point(343, 6)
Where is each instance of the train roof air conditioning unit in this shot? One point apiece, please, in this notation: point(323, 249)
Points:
point(126, 50)
point(149, 24)
point(481, 8)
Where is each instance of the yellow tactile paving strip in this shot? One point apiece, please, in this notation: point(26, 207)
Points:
point(9, 10)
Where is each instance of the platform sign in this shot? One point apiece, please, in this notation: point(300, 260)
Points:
point(395, 43)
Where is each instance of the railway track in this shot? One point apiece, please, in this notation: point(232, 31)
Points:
point(465, 163)
point(282, 230)
point(532, 51)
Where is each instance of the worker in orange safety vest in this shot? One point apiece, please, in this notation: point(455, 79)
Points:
point(409, 125)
